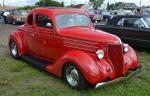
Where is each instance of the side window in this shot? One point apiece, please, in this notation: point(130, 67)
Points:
point(30, 20)
point(42, 20)
point(120, 22)
point(129, 22)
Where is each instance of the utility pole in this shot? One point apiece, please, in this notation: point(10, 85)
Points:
point(71, 2)
point(3, 3)
point(140, 4)
point(107, 5)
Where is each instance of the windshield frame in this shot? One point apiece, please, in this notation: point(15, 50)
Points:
point(90, 23)
point(147, 23)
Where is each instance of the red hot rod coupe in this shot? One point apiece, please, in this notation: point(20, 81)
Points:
point(64, 42)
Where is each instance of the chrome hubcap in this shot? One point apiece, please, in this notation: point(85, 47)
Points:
point(72, 76)
point(14, 49)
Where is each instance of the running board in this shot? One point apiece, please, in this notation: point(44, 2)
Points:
point(35, 61)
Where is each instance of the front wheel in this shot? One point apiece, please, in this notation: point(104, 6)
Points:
point(74, 77)
point(14, 49)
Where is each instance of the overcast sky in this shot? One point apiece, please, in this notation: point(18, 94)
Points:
point(68, 2)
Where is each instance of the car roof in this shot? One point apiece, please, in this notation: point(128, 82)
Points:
point(130, 16)
point(118, 17)
point(60, 10)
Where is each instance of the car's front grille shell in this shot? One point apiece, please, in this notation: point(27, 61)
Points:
point(115, 55)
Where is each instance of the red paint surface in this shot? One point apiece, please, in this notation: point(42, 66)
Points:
point(76, 45)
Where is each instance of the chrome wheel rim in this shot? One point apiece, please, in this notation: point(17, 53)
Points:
point(14, 49)
point(72, 76)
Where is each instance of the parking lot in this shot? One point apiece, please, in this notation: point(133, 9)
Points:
point(29, 81)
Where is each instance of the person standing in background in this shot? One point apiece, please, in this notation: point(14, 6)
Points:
point(5, 15)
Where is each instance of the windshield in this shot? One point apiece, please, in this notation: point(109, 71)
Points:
point(21, 12)
point(69, 20)
point(147, 20)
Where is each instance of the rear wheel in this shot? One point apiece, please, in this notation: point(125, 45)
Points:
point(73, 77)
point(14, 49)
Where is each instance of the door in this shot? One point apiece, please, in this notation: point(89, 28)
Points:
point(137, 34)
point(45, 45)
point(29, 33)
point(117, 28)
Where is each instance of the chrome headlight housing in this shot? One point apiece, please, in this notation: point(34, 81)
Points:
point(125, 48)
point(100, 54)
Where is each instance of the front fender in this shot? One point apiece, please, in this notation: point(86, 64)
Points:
point(18, 38)
point(83, 61)
point(131, 59)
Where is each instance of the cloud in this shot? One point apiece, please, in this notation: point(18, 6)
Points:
point(19, 2)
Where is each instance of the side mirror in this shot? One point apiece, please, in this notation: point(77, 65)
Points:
point(49, 25)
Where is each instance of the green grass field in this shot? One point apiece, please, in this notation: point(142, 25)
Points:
point(18, 78)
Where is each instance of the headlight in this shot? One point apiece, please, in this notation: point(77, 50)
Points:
point(100, 54)
point(125, 48)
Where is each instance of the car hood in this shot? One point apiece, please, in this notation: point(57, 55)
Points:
point(90, 34)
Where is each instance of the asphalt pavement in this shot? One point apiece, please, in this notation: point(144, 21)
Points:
point(5, 30)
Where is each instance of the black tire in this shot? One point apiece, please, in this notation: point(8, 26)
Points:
point(81, 84)
point(14, 50)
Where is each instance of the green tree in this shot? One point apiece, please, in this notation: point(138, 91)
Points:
point(27, 7)
point(114, 6)
point(48, 3)
point(96, 3)
point(62, 4)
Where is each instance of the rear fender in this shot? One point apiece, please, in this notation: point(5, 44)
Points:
point(84, 63)
point(18, 38)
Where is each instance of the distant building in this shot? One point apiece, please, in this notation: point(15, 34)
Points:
point(128, 6)
point(83, 6)
point(3, 8)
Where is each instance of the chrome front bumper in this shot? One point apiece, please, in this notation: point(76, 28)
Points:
point(99, 85)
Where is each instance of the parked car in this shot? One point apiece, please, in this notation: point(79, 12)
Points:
point(106, 16)
point(132, 29)
point(64, 42)
point(18, 16)
point(95, 17)
point(1, 14)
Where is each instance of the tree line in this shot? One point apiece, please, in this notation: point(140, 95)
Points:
point(43, 3)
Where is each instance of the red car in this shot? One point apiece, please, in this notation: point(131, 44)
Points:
point(64, 42)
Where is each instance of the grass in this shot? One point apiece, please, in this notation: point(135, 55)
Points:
point(18, 78)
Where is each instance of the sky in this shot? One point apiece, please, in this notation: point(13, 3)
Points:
point(68, 2)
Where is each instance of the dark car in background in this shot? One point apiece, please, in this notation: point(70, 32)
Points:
point(1, 14)
point(106, 16)
point(18, 16)
point(132, 29)
point(94, 16)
